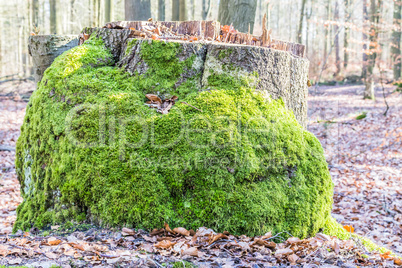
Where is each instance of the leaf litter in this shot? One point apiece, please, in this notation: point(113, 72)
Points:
point(363, 160)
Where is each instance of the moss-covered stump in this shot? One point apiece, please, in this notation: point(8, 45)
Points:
point(226, 156)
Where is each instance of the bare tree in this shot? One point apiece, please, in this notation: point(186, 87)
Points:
point(206, 8)
point(53, 19)
point(396, 40)
point(239, 13)
point(161, 10)
point(346, 37)
point(375, 11)
point(336, 39)
point(179, 10)
point(108, 10)
point(137, 9)
point(300, 31)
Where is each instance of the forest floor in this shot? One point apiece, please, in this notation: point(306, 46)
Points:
point(363, 148)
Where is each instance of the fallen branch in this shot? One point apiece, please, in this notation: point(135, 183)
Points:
point(7, 148)
point(191, 106)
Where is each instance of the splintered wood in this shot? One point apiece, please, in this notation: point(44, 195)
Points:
point(206, 31)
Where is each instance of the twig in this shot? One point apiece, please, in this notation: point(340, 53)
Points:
point(383, 90)
point(7, 148)
point(191, 106)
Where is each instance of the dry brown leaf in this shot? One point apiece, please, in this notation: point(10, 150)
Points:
point(165, 244)
point(53, 241)
point(51, 255)
point(127, 232)
point(397, 261)
point(267, 235)
point(293, 258)
point(182, 231)
point(157, 232)
point(153, 98)
point(293, 240)
point(3, 250)
point(167, 228)
point(283, 251)
point(215, 238)
point(193, 251)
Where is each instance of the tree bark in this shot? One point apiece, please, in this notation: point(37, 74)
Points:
point(45, 48)
point(137, 10)
point(53, 18)
point(300, 31)
point(239, 13)
point(396, 40)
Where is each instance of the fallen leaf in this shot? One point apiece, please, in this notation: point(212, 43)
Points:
point(193, 251)
point(293, 258)
point(182, 231)
point(127, 232)
point(283, 251)
point(349, 228)
point(165, 244)
point(293, 240)
point(215, 238)
point(53, 241)
point(51, 255)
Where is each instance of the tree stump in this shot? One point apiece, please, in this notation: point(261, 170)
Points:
point(45, 48)
point(138, 132)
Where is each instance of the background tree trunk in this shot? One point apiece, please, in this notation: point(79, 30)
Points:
point(53, 19)
point(240, 13)
point(206, 7)
point(108, 10)
point(179, 10)
point(161, 10)
point(137, 10)
point(396, 40)
point(336, 39)
point(375, 9)
point(346, 37)
point(35, 13)
point(300, 31)
point(365, 38)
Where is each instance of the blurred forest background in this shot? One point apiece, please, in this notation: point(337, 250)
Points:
point(346, 40)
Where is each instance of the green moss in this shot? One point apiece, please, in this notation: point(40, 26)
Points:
point(90, 147)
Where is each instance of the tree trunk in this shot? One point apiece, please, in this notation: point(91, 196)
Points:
point(161, 10)
point(336, 40)
point(137, 10)
point(206, 7)
point(375, 9)
point(300, 31)
point(108, 10)
point(53, 19)
point(239, 13)
point(346, 37)
point(396, 40)
point(35, 13)
point(179, 10)
point(45, 48)
point(328, 9)
point(365, 38)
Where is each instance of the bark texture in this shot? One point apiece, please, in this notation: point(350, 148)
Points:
point(45, 48)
